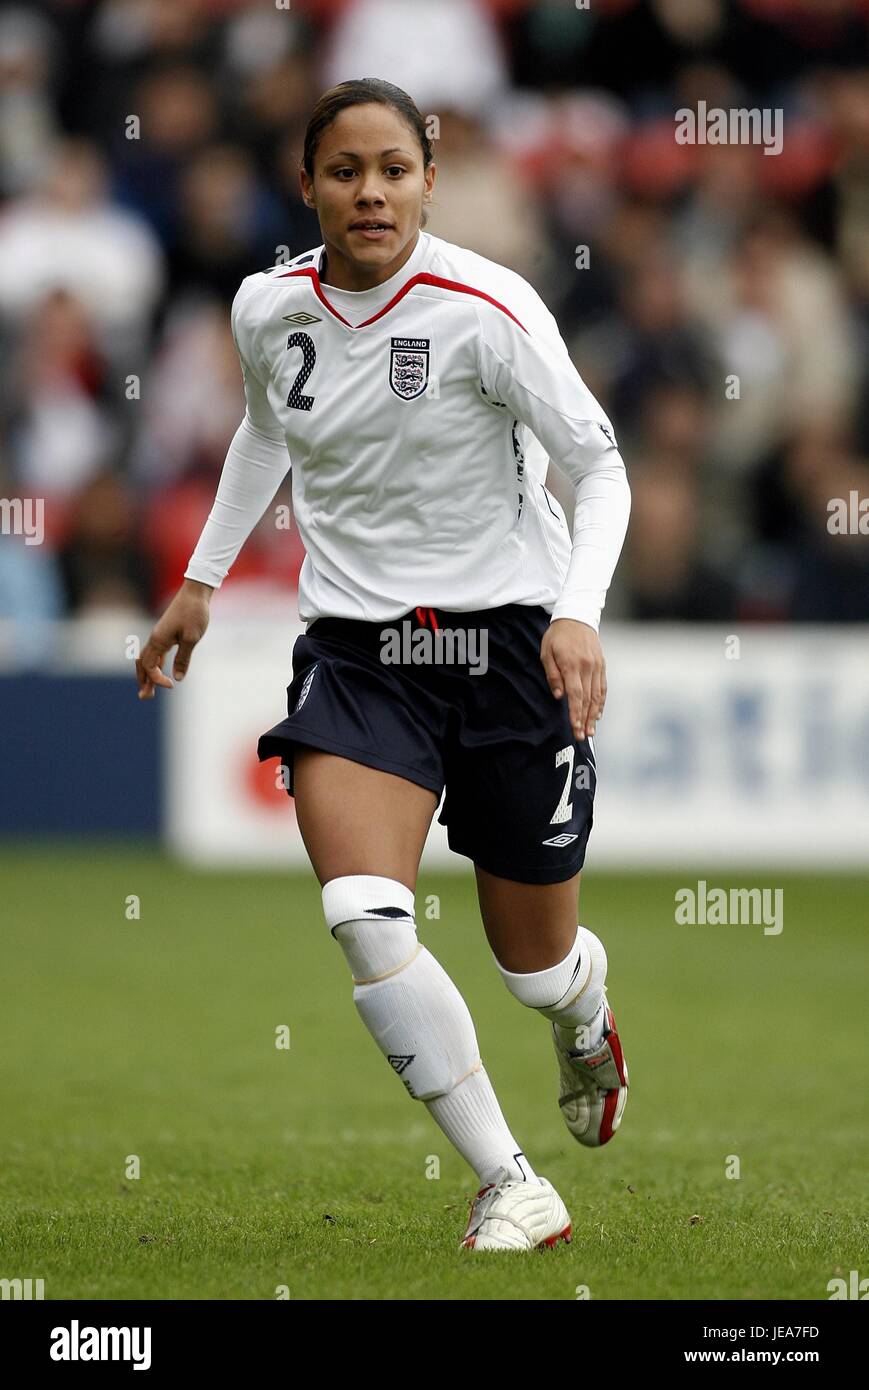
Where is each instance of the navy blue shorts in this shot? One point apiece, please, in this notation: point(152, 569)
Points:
point(457, 701)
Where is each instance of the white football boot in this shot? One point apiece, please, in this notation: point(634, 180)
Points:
point(594, 1085)
point(512, 1215)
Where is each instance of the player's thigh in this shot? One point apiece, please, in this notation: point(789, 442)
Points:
point(529, 926)
point(357, 820)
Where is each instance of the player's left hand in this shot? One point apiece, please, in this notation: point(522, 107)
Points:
point(573, 661)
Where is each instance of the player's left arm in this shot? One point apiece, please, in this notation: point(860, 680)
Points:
point(543, 389)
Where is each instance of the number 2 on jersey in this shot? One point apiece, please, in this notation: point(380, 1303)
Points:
point(297, 400)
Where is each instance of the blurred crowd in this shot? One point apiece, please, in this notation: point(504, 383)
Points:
point(715, 298)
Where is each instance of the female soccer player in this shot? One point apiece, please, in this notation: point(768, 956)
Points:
point(451, 636)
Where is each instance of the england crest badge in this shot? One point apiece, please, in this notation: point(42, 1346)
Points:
point(408, 366)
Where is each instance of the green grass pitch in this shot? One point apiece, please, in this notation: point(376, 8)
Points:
point(309, 1166)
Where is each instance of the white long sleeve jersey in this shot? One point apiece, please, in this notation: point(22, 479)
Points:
point(414, 438)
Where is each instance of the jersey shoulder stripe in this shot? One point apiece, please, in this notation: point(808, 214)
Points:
point(507, 286)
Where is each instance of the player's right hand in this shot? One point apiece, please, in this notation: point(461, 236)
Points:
point(182, 625)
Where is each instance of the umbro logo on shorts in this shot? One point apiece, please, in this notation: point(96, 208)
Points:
point(559, 841)
point(305, 688)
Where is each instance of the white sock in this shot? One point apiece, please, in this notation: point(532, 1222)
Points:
point(420, 1021)
point(471, 1118)
point(570, 992)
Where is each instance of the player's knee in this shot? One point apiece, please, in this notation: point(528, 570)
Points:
point(372, 919)
point(407, 1001)
point(366, 897)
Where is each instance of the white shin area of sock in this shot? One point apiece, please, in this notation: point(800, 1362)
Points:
point(420, 1021)
point(569, 993)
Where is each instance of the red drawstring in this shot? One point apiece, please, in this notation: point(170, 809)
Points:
point(423, 615)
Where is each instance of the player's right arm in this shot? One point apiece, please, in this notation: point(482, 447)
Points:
point(255, 466)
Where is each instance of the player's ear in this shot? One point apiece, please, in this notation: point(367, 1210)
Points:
point(305, 186)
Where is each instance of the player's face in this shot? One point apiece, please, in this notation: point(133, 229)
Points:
point(368, 168)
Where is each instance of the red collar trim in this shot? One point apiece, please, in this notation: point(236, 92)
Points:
point(422, 278)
